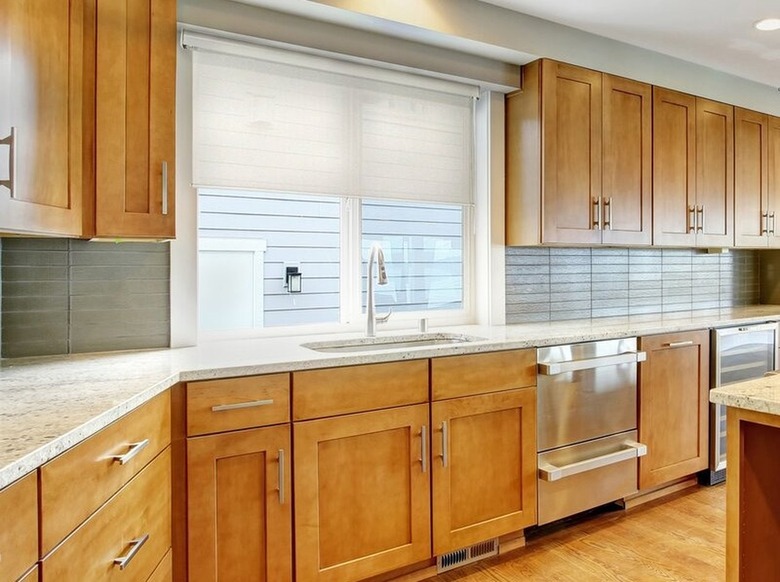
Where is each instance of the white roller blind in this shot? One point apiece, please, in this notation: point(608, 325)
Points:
point(281, 127)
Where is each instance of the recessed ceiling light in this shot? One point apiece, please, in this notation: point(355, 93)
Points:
point(768, 24)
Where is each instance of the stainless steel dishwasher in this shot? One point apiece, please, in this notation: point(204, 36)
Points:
point(586, 425)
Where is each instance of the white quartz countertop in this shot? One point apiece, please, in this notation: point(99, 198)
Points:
point(761, 394)
point(49, 404)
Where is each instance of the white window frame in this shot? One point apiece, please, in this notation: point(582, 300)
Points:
point(483, 260)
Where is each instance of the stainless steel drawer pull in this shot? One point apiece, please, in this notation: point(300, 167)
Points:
point(555, 368)
point(550, 472)
point(679, 344)
point(608, 208)
point(691, 219)
point(135, 546)
point(10, 141)
point(165, 187)
point(445, 443)
point(135, 448)
point(764, 223)
point(281, 476)
point(424, 448)
point(772, 228)
point(240, 405)
point(700, 219)
point(597, 217)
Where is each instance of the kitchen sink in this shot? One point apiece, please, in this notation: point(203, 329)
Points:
point(374, 344)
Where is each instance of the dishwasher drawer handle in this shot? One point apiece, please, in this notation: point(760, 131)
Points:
point(135, 448)
point(241, 405)
point(550, 472)
point(555, 368)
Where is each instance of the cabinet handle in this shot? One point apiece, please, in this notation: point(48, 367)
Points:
point(10, 141)
point(424, 448)
point(135, 547)
point(608, 209)
point(240, 405)
point(679, 344)
point(445, 439)
point(700, 223)
point(691, 219)
point(764, 223)
point(597, 213)
point(135, 448)
point(281, 476)
point(165, 187)
point(772, 228)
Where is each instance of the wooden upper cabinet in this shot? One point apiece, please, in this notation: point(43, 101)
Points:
point(135, 109)
point(627, 162)
point(674, 168)
point(578, 158)
point(693, 157)
point(756, 178)
point(773, 180)
point(751, 213)
point(714, 173)
point(571, 126)
point(41, 107)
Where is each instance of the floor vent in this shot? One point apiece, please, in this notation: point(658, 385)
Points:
point(458, 558)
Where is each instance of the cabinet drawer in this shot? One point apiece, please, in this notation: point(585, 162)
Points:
point(19, 531)
point(236, 403)
point(80, 480)
point(456, 376)
point(318, 393)
point(164, 570)
point(32, 576)
point(142, 508)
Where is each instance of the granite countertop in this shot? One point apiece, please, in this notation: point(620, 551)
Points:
point(761, 394)
point(49, 404)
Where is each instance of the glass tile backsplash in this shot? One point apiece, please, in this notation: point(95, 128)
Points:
point(552, 284)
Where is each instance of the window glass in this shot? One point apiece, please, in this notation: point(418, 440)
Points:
point(299, 231)
point(423, 250)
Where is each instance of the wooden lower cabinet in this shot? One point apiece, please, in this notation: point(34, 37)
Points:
point(673, 406)
point(362, 494)
point(19, 532)
point(483, 467)
point(134, 525)
point(239, 506)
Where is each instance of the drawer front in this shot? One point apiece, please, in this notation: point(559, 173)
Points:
point(32, 576)
point(164, 570)
point(19, 531)
point(142, 508)
point(319, 393)
point(472, 374)
point(236, 403)
point(80, 480)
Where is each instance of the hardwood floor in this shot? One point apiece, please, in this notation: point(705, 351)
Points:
point(679, 538)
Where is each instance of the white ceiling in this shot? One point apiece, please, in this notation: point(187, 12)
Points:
point(715, 33)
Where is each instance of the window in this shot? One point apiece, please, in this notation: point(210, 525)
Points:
point(315, 165)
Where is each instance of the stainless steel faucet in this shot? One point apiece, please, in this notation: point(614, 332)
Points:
point(371, 318)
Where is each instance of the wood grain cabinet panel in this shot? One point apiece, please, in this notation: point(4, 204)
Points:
point(31, 576)
point(578, 158)
point(483, 467)
point(693, 159)
point(66, 501)
point(42, 46)
point(473, 374)
point(164, 570)
point(239, 506)
point(236, 403)
point(756, 179)
point(332, 391)
point(135, 112)
point(362, 494)
point(19, 532)
point(673, 406)
point(135, 524)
